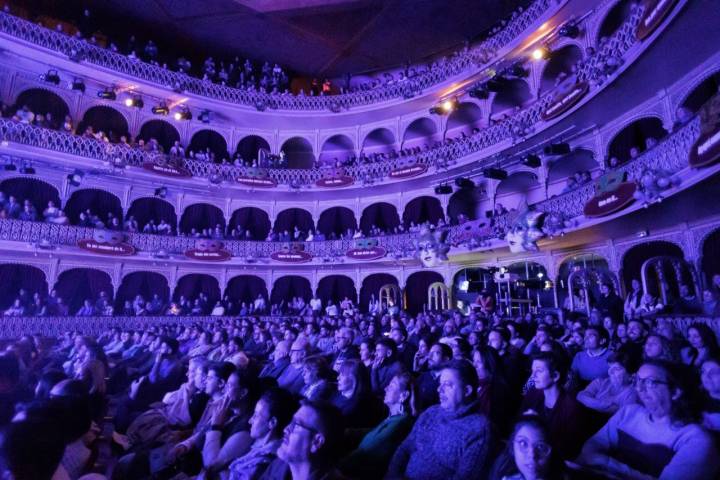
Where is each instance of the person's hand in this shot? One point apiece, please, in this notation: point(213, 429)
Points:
point(222, 413)
point(377, 361)
point(176, 452)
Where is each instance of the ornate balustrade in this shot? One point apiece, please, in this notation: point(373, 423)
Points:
point(460, 62)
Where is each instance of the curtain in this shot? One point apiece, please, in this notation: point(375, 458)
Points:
point(99, 202)
point(291, 218)
point(146, 284)
point(381, 215)
point(210, 139)
point(195, 283)
point(246, 288)
point(43, 101)
point(253, 219)
point(288, 287)
point(336, 220)
point(249, 146)
point(16, 277)
point(201, 216)
point(371, 286)
point(78, 284)
point(107, 119)
point(38, 192)
point(416, 289)
point(160, 130)
point(336, 288)
point(145, 209)
point(421, 210)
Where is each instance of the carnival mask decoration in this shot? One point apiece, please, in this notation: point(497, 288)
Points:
point(109, 237)
point(525, 229)
point(208, 245)
point(651, 184)
point(432, 247)
point(556, 223)
point(473, 234)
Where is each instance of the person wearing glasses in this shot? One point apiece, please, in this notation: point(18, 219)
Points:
point(659, 438)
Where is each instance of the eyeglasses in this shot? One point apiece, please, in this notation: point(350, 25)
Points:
point(648, 383)
point(294, 424)
point(541, 449)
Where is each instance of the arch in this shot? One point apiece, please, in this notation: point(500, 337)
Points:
point(466, 202)
point(192, 285)
point(105, 119)
point(379, 140)
point(76, 285)
point(201, 216)
point(467, 115)
point(422, 128)
point(209, 139)
point(336, 288)
point(246, 288)
point(336, 221)
point(298, 153)
point(145, 284)
point(371, 287)
point(99, 202)
point(152, 208)
point(559, 66)
point(635, 135)
point(382, 215)
point(336, 148)
point(16, 277)
point(290, 286)
point(576, 161)
point(517, 182)
point(248, 148)
point(615, 18)
point(702, 93)
point(37, 191)
point(416, 289)
point(293, 217)
point(635, 257)
point(514, 93)
point(710, 260)
point(164, 132)
point(253, 220)
point(423, 209)
point(42, 101)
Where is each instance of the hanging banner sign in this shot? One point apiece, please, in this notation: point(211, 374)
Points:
point(612, 194)
point(260, 182)
point(210, 256)
point(371, 253)
point(654, 12)
point(297, 256)
point(409, 172)
point(334, 182)
point(562, 103)
point(121, 249)
point(166, 170)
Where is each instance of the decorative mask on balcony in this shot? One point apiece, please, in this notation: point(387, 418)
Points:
point(525, 229)
point(652, 182)
point(432, 247)
point(109, 237)
point(208, 245)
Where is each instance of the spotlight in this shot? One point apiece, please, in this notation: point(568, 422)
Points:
point(443, 189)
point(134, 101)
point(107, 94)
point(445, 107)
point(532, 161)
point(161, 109)
point(204, 116)
point(569, 30)
point(463, 182)
point(78, 84)
point(541, 53)
point(448, 106)
point(75, 178)
point(557, 149)
point(183, 114)
point(51, 76)
point(495, 173)
point(161, 192)
point(540, 275)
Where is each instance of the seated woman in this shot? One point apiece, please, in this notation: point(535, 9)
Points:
point(317, 377)
point(372, 457)
point(493, 391)
point(657, 438)
point(608, 394)
point(710, 406)
point(353, 397)
point(703, 344)
point(658, 347)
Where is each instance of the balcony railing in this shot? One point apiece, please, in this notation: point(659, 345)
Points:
point(441, 71)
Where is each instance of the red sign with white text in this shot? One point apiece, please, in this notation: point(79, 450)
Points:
point(118, 249)
point(297, 256)
point(167, 170)
point(611, 201)
point(563, 103)
point(654, 12)
point(259, 182)
point(372, 253)
point(208, 255)
point(409, 172)
point(334, 182)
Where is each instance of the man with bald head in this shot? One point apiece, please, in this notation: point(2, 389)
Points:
point(280, 361)
point(291, 378)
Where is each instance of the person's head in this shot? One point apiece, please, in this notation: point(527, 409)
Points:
point(548, 370)
point(662, 389)
point(605, 289)
point(684, 290)
point(424, 345)
point(21, 443)
point(458, 383)
point(298, 351)
point(439, 354)
point(312, 435)
point(636, 330)
point(273, 411)
point(461, 349)
point(531, 449)
point(621, 367)
point(701, 336)
point(708, 296)
point(169, 346)
point(352, 377)
point(385, 348)
point(499, 338)
point(486, 361)
point(315, 368)
point(595, 338)
point(217, 375)
point(367, 350)
point(635, 283)
point(398, 334)
point(710, 376)
point(282, 350)
point(400, 392)
point(657, 347)
point(344, 338)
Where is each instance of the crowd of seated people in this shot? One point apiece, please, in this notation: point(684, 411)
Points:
point(333, 393)
point(578, 179)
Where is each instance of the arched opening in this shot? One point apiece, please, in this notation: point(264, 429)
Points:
point(290, 286)
point(421, 210)
point(146, 285)
point(559, 67)
point(201, 216)
point(193, 285)
point(163, 132)
point(76, 285)
point(466, 117)
point(245, 289)
point(635, 138)
point(420, 131)
point(465, 203)
point(250, 223)
point(249, 146)
point(20, 282)
point(515, 93)
point(204, 141)
point(370, 288)
point(518, 182)
point(102, 206)
point(416, 290)
point(468, 283)
point(702, 93)
point(379, 215)
point(104, 119)
point(39, 193)
point(579, 160)
point(380, 140)
point(292, 218)
point(634, 259)
point(298, 153)
point(43, 102)
point(155, 209)
point(615, 18)
point(336, 222)
point(710, 263)
point(336, 288)
point(589, 271)
point(338, 148)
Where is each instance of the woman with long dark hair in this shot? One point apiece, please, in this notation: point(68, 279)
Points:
point(703, 344)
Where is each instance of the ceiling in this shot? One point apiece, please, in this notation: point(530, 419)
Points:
point(313, 37)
